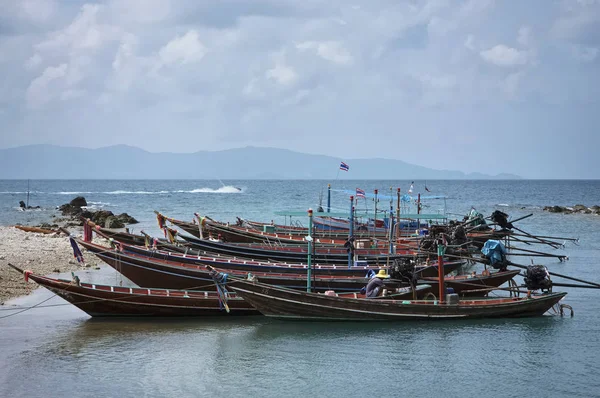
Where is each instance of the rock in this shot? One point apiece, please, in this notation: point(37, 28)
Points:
point(127, 219)
point(78, 201)
point(555, 209)
point(70, 210)
point(22, 204)
point(100, 216)
point(113, 222)
point(56, 270)
point(72, 262)
point(87, 214)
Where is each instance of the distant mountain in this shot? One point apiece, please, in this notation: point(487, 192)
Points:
point(125, 162)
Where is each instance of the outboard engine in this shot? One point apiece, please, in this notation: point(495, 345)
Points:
point(402, 269)
point(501, 219)
point(538, 278)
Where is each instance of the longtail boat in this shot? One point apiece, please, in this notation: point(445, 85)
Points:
point(249, 265)
point(285, 303)
point(117, 301)
point(152, 272)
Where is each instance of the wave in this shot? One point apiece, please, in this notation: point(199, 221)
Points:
point(134, 192)
point(224, 189)
point(503, 205)
point(21, 193)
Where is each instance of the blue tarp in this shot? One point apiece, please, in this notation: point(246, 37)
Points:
point(494, 250)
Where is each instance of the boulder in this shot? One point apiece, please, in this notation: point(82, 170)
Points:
point(22, 204)
point(100, 216)
point(70, 210)
point(78, 201)
point(113, 222)
point(555, 209)
point(127, 219)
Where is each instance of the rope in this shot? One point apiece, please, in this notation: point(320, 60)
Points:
point(28, 308)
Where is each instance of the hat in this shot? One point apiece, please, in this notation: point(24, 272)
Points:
point(382, 274)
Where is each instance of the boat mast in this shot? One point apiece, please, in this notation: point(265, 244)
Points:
point(351, 231)
point(328, 198)
point(442, 285)
point(398, 215)
point(375, 217)
point(309, 239)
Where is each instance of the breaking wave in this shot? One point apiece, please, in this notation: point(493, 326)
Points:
point(225, 189)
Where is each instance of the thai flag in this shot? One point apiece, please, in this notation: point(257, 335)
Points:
point(360, 193)
point(344, 166)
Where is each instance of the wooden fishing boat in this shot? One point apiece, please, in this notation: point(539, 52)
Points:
point(233, 233)
point(251, 265)
point(118, 301)
point(153, 272)
point(282, 303)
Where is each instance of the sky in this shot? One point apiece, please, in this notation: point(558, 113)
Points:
point(472, 85)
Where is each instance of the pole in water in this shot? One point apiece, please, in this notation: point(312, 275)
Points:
point(351, 232)
point(309, 239)
point(328, 198)
point(27, 205)
point(442, 286)
point(375, 216)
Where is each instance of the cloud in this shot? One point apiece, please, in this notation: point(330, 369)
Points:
point(501, 55)
point(183, 50)
point(37, 92)
point(332, 51)
point(524, 37)
point(228, 73)
point(282, 73)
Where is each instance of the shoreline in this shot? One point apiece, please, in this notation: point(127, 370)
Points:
point(40, 253)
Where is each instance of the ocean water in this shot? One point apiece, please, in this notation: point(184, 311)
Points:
point(58, 350)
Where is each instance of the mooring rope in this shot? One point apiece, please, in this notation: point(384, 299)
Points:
point(28, 308)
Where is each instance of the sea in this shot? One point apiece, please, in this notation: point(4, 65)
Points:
point(56, 350)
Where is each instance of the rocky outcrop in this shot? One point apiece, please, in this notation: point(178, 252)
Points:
point(577, 209)
point(78, 202)
point(113, 222)
point(106, 218)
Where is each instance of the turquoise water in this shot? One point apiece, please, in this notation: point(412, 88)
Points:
point(58, 350)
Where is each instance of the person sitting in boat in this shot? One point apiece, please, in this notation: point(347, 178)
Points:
point(375, 285)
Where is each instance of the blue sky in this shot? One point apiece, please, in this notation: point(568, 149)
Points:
point(474, 85)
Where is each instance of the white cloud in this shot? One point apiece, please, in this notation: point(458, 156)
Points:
point(332, 51)
point(34, 61)
point(84, 33)
point(524, 36)
point(37, 10)
point(37, 92)
point(504, 56)
point(184, 49)
point(282, 73)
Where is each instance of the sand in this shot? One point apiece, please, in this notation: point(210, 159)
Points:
point(42, 254)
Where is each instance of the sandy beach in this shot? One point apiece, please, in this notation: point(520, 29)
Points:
point(42, 254)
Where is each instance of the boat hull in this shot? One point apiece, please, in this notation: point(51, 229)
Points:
point(289, 304)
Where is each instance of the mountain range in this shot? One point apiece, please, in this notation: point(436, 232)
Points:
point(126, 162)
